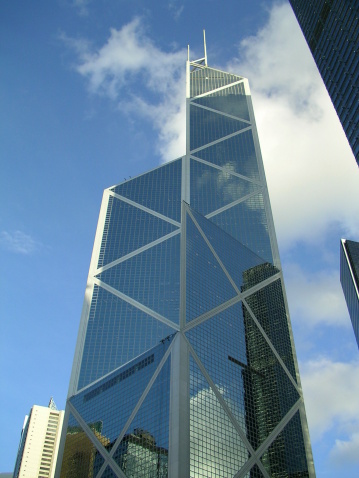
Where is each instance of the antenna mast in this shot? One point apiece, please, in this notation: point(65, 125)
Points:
point(202, 62)
point(205, 47)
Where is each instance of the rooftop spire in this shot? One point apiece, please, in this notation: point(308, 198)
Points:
point(204, 47)
point(201, 62)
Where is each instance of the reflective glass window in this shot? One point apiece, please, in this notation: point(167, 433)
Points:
point(207, 126)
point(270, 390)
point(81, 458)
point(268, 306)
point(213, 188)
point(235, 154)
point(150, 277)
point(207, 79)
point(216, 449)
point(128, 228)
point(238, 260)
point(286, 455)
point(207, 286)
point(247, 223)
point(107, 405)
point(116, 333)
point(159, 190)
point(231, 100)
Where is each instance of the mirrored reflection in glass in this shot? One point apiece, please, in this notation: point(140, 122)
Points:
point(216, 449)
point(236, 154)
point(247, 222)
point(286, 455)
point(270, 391)
point(207, 286)
point(237, 259)
point(268, 306)
point(80, 454)
point(213, 188)
point(116, 333)
point(107, 405)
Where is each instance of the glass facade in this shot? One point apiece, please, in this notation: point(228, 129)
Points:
point(331, 30)
point(349, 278)
point(185, 365)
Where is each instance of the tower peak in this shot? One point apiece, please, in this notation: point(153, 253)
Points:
point(201, 62)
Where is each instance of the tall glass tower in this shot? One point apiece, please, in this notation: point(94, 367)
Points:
point(185, 364)
point(331, 29)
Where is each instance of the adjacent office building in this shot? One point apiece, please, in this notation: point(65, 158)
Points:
point(185, 364)
point(349, 278)
point(39, 442)
point(331, 29)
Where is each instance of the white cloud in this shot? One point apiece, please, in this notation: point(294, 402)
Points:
point(19, 242)
point(81, 5)
point(154, 81)
point(345, 452)
point(209, 419)
point(316, 297)
point(331, 391)
point(175, 8)
point(312, 175)
point(311, 172)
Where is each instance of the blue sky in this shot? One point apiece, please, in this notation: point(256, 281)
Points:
point(92, 93)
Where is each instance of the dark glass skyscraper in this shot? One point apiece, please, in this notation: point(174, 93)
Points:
point(331, 28)
point(185, 364)
point(349, 278)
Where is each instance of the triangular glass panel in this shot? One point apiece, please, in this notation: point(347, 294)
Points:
point(247, 222)
point(143, 451)
point(213, 188)
point(165, 198)
point(231, 100)
point(128, 228)
point(151, 278)
point(212, 434)
point(107, 405)
point(236, 154)
point(207, 79)
point(207, 126)
point(269, 390)
point(80, 456)
point(116, 333)
point(269, 308)
point(207, 286)
point(240, 262)
point(286, 455)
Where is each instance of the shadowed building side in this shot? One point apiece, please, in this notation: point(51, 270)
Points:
point(331, 29)
point(349, 278)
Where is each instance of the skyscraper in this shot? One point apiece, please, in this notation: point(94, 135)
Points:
point(331, 29)
point(349, 278)
point(39, 442)
point(185, 364)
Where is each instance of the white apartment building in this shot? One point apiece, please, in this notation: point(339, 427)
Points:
point(39, 442)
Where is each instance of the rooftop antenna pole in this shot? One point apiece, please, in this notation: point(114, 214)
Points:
point(205, 48)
